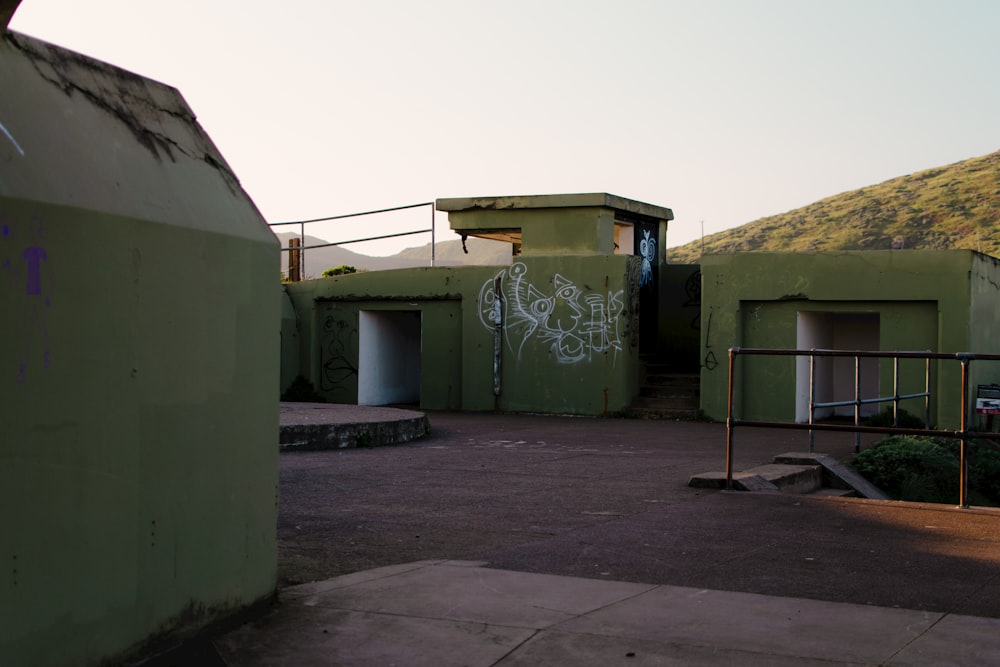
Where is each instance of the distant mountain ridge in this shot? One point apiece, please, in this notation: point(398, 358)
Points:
point(955, 206)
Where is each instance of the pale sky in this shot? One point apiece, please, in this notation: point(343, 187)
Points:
point(723, 110)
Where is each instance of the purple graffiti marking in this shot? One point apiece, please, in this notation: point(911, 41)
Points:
point(12, 140)
point(5, 262)
point(34, 257)
point(34, 335)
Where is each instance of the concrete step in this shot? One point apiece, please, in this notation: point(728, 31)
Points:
point(791, 478)
point(646, 412)
point(835, 493)
point(668, 391)
point(315, 426)
point(835, 473)
point(665, 394)
point(666, 402)
point(796, 472)
point(783, 479)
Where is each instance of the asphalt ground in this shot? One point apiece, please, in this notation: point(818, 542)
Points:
point(608, 499)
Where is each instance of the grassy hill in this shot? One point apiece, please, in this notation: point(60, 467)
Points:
point(957, 206)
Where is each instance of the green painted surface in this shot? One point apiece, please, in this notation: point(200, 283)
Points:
point(570, 231)
point(555, 225)
point(138, 367)
point(290, 366)
point(138, 449)
point(984, 333)
point(923, 298)
point(568, 340)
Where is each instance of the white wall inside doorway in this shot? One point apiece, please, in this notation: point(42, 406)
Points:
point(388, 357)
point(834, 376)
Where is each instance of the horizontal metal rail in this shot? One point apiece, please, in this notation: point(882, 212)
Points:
point(370, 238)
point(351, 215)
point(297, 252)
point(871, 401)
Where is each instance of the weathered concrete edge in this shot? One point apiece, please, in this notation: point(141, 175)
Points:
point(839, 475)
point(743, 481)
point(311, 437)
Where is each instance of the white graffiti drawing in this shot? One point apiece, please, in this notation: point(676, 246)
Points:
point(647, 248)
point(575, 324)
point(12, 140)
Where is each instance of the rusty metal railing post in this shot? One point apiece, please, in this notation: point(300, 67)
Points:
point(895, 391)
point(927, 391)
point(857, 402)
point(963, 461)
point(294, 261)
point(729, 422)
point(302, 252)
point(812, 401)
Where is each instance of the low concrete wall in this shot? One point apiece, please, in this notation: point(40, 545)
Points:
point(923, 300)
point(568, 340)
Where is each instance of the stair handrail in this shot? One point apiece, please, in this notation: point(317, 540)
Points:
point(963, 434)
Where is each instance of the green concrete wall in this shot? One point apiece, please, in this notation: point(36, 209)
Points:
point(984, 332)
point(751, 300)
point(547, 231)
point(290, 365)
point(568, 344)
point(138, 367)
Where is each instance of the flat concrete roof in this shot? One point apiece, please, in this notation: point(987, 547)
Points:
point(583, 200)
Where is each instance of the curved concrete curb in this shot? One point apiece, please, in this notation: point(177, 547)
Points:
point(312, 426)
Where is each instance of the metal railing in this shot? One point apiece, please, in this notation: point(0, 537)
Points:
point(301, 248)
point(963, 434)
point(857, 402)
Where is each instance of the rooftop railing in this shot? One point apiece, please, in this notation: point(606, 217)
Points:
point(298, 250)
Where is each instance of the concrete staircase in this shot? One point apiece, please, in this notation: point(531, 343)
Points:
point(802, 473)
point(665, 394)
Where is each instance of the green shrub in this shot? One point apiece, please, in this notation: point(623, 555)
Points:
point(927, 469)
point(906, 419)
point(301, 390)
point(911, 468)
point(341, 270)
point(984, 469)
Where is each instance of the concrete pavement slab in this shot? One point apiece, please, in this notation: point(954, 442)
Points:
point(460, 613)
point(475, 594)
point(300, 636)
point(762, 624)
point(581, 650)
point(955, 640)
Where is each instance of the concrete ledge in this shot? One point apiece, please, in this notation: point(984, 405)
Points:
point(791, 478)
point(743, 481)
point(315, 426)
point(835, 473)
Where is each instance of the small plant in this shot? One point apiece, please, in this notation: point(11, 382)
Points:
point(341, 270)
point(906, 419)
point(984, 468)
point(927, 469)
point(301, 390)
point(911, 468)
